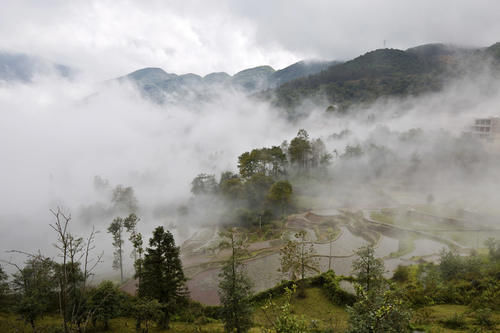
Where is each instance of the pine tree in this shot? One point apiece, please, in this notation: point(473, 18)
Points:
point(162, 277)
point(235, 290)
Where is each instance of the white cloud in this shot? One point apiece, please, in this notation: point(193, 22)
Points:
point(110, 38)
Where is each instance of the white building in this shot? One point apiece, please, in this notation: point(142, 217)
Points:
point(487, 128)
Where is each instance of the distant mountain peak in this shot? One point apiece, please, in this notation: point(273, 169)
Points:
point(265, 70)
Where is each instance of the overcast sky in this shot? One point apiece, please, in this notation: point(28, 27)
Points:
point(106, 38)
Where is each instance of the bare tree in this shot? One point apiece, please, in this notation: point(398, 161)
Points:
point(74, 271)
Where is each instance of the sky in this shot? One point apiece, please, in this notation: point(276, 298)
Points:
point(109, 38)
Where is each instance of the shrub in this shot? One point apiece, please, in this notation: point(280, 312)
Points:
point(484, 318)
point(330, 284)
point(401, 274)
point(455, 322)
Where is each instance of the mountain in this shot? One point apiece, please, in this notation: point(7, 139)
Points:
point(17, 67)
point(383, 72)
point(298, 70)
point(378, 73)
point(163, 87)
point(217, 78)
point(253, 79)
point(149, 75)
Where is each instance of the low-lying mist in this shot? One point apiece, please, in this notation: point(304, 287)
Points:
point(72, 143)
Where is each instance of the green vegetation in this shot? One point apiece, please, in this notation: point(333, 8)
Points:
point(162, 277)
point(264, 188)
point(235, 290)
point(297, 259)
point(380, 74)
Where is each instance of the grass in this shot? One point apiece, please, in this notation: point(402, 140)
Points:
point(315, 306)
point(450, 318)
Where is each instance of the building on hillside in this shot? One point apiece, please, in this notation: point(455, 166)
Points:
point(487, 128)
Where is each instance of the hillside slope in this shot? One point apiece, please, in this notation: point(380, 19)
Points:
point(383, 72)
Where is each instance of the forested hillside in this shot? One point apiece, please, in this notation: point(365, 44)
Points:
point(384, 73)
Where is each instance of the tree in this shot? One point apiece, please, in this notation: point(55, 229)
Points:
point(105, 303)
point(267, 161)
point(4, 288)
point(248, 163)
point(116, 230)
point(298, 259)
point(300, 149)
point(204, 184)
point(124, 199)
point(162, 276)
point(232, 188)
point(36, 288)
point(256, 189)
point(235, 289)
point(281, 193)
point(130, 224)
point(73, 271)
point(278, 161)
point(352, 152)
point(379, 311)
point(146, 310)
point(379, 307)
point(281, 317)
point(367, 268)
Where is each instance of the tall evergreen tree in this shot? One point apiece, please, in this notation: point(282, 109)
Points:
point(162, 276)
point(235, 290)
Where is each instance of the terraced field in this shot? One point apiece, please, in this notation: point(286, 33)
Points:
point(335, 235)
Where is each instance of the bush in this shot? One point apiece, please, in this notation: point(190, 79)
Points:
point(455, 322)
point(273, 292)
point(401, 274)
point(330, 284)
point(484, 318)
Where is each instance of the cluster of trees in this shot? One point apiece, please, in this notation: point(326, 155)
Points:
point(382, 73)
point(467, 280)
point(44, 286)
point(364, 79)
point(263, 186)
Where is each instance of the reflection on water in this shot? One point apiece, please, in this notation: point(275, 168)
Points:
point(264, 273)
point(342, 246)
point(425, 247)
point(386, 246)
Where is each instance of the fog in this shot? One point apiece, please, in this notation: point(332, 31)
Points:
point(58, 134)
